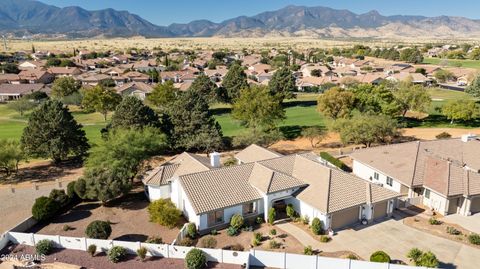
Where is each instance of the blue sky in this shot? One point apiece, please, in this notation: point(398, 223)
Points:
point(165, 12)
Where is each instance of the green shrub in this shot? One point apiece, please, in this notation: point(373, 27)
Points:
point(154, 240)
point(272, 244)
point(98, 229)
point(329, 158)
point(230, 162)
point(259, 220)
point(236, 247)
point(452, 230)
point(60, 197)
point(92, 249)
point(428, 259)
point(186, 242)
point(44, 247)
point(273, 232)
point(116, 254)
point(142, 253)
point(352, 257)
point(434, 221)
point(66, 228)
point(305, 220)
point(271, 215)
point(232, 231)
point(290, 211)
point(316, 226)
point(44, 208)
point(208, 242)
point(324, 238)
point(191, 230)
point(414, 254)
point(474, 239)
point(80, 187)
point(308, 250)
point(164, 212)
point(195, 259)
point(213, 232)
point(257, 236)
point(236, 221)
point(380, 256)
point(71, 190)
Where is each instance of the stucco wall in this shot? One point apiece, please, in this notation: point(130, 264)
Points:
point(158, 192)
point(437, 202)
point(366, 172)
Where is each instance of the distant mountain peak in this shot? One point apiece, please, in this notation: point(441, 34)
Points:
point(20, 17)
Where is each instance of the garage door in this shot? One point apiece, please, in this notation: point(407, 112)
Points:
point(380, 210)
point(475, 207)
point(344, 218)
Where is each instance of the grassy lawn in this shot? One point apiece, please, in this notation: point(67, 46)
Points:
point(12, 124)
point(453, 62)
point(444, 94)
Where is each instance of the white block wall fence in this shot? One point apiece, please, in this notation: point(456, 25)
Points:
point(253, 257)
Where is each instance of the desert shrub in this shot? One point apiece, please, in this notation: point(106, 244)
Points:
point(272, 244)
point(443, 135)
point(71, 190)
point(142, 253)
point(67, 227)
point(352, 257)
point(414, 254)
point(271, 215)
point(434, 221)
point(98, 229)
point(474, 239)
point(247, 229)
point(273, 232)
point(92, 249)
point(379, 256)
point(324, 238)
point(154, 240)
point(232, 231)
point(60, 197)
point(164, 212)
point(305, 220)
point(44, 208)
point(255, 242)
point(290, 211)
point(257, 236)
point(452, 230)
point(308, 250)
point(428, 259)
point(236, 221)
point(213, 232)
point(208, 242)
point(192, 230)
point(116, 254)
point(44, 247)
point(237, 247)
point(186, 242)
point(316, 226)
point(259, 220)
point(230, 162)
point(329, 158)
point(80, 187)
point(195, 259)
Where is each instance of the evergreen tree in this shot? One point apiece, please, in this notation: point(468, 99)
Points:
point(101, 99)
point(194, 127)
point(234, 81)
point(282, 84)
point(205, 87)
point(162, 95)
point(64, 86)
point(52, 132)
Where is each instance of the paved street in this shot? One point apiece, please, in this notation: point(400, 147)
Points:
point(395, 238)
point(15, 207)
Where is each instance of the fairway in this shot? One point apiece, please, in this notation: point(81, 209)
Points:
point(444, 94)
point(453, 62)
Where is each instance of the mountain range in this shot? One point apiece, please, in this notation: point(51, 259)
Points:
point(27, 18)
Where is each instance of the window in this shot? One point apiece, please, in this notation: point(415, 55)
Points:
point(375, 175)
point(249, 208)
point(215, 217)
point(427, 194)
point(389, 181)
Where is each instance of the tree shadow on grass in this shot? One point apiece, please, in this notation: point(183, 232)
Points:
point(437, 121)
point(291, 132)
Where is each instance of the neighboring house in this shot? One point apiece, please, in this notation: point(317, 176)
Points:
point(306, 83)
point(135, 76)
point(416, 78)
point(371, 78)
point(31, 65)
point(209, 195)
point(138, 89)
point(33, 76)
point(444, 174)
point(16, 91)
point(324, 71)
point(93, 79)
point(9, 78)
point(64, 71)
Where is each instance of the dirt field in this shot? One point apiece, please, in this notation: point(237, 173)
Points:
point(100, 261)
point(129, 218)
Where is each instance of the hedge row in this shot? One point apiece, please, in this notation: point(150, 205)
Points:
point(329, 158)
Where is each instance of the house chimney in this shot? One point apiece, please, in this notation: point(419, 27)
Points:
point(215, 159)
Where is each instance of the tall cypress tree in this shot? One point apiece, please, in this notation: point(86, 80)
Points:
point(234, 81)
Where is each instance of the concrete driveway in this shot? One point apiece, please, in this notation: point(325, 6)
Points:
point(471, 223)
point(395, 238)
